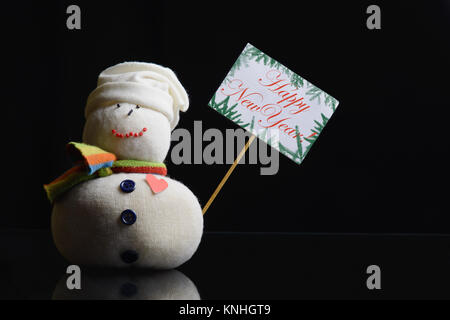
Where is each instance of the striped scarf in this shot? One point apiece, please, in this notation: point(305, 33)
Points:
point(92, 162)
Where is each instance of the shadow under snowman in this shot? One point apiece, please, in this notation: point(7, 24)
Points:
point(116, 207)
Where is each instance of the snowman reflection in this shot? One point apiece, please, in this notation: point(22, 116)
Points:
point(131, 215)
point(144, 285)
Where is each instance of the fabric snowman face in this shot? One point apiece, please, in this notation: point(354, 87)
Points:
point(129, 131)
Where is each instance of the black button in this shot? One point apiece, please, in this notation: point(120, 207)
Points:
point(128, 289)
point(127, 186)
point(129, 256)
point(128, 217)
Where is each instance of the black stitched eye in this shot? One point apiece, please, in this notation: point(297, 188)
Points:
point(118, 105)
point(137, 107)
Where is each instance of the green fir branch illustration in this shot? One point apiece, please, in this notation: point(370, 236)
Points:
point(265, 134)
point(241, 61)
point(299, 155)
point(330, 101)
point(297, 81)
point(252, 124)
point(289, 153)
point(227, 111)
point(252, 53)
point(262, 134)
point(315, 93)
point(317, 130)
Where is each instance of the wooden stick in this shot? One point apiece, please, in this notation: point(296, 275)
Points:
point(227, 175)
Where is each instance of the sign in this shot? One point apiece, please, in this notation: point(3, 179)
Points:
point(273, 103)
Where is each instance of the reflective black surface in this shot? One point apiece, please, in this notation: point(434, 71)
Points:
point(242, 266)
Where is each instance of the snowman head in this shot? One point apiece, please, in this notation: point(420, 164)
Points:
point(133, 110)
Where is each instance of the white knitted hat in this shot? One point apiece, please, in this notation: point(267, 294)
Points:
point(145, 84)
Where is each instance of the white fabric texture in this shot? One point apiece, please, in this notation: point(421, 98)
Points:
point(145, 84)
point(152, 146)
point(86, 220)
point(87, 227)
point(162, 285)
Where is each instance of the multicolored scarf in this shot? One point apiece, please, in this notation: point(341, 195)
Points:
point(93, 162)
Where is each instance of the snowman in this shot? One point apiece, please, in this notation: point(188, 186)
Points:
point(116, 207)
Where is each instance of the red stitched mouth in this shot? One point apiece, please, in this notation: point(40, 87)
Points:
point(130, 134)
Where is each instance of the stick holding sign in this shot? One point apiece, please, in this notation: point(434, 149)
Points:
point(261, 95)
point(227, 175)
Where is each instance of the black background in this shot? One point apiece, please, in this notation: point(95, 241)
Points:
point(380, 164)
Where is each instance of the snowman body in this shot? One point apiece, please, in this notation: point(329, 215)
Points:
point(107, 222)
point(120, 220)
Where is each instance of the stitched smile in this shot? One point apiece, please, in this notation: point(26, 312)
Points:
point(130, 134)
